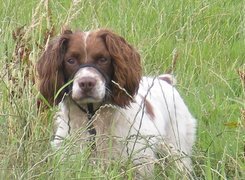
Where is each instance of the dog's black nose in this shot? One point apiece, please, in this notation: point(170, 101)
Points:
point(87, 83)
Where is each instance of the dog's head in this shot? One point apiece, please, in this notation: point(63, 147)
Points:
point(102, 65)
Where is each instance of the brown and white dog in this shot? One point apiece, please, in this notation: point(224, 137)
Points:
point(108, 99)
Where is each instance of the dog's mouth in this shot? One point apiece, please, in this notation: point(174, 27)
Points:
point(95, 95)
point(87, 99)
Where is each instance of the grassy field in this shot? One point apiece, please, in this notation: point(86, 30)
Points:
point(207, 36)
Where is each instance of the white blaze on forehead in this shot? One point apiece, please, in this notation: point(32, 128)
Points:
point(85, 37)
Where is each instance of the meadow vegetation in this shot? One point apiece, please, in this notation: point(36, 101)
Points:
point(208, 39)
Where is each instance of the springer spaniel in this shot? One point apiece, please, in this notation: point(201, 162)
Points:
point(95, 77)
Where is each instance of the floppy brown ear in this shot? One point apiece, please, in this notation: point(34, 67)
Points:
point(50, 72)
point(127, 68)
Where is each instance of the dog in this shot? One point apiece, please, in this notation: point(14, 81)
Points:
point(96, 79)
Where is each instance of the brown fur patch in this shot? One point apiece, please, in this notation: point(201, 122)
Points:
point(167, 79)
point(148, 108)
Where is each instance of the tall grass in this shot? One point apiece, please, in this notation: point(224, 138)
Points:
point(209, 37)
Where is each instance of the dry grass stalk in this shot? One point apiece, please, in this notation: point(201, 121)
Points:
point(174, 61)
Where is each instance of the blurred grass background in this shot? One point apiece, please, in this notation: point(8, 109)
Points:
point(209, 38)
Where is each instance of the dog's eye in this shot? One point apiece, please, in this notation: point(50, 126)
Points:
point(102, 60)
point(71, 61)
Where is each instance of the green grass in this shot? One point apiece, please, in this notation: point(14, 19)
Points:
point(209, 37)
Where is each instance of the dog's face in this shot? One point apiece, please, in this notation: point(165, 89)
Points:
point(89, 62)
point(94, 60)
